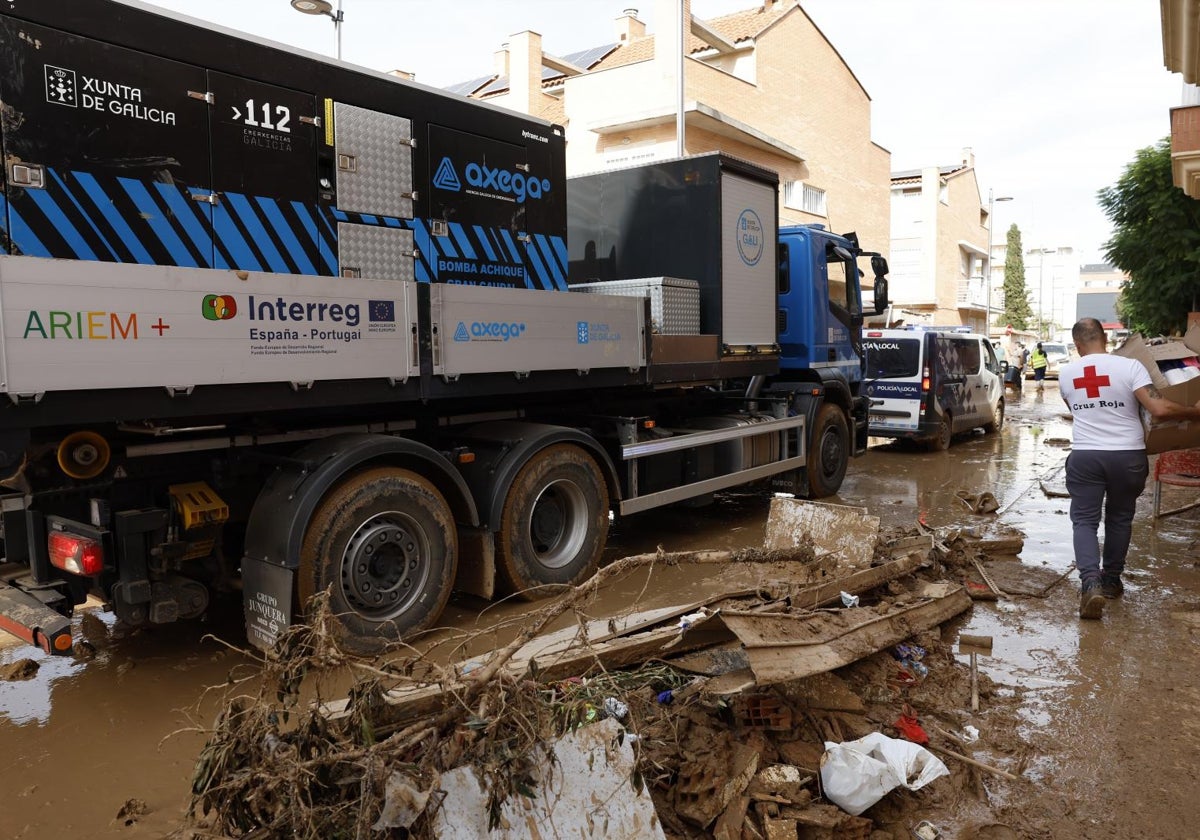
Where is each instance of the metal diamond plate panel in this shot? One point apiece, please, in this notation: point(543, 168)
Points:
point(376, 253)
point(374, 162)
point(674, 302)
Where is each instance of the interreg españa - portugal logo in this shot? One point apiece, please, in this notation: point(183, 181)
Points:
point(750, 237)
point(218, 307)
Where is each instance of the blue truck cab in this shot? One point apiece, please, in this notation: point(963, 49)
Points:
point(820, 334)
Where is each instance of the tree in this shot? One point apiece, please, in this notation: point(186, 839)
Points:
point(1016, 300)
point(1156, 241)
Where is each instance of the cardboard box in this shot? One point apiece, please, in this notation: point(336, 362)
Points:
point(1164, 436)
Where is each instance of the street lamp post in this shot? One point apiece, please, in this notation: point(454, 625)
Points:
point(1041, 292)
point(324, 7)
point(988, 277)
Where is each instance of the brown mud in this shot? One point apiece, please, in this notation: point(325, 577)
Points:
point(1100, 717)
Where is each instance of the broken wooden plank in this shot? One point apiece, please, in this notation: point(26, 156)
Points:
point(859, 582)
point(1005, 545)
point(848, 531)
point(784, 649)
point(909, 545)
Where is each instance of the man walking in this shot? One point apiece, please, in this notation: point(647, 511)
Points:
point(1038, 362)
point(1107, 467)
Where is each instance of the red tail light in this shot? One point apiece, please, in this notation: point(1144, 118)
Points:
point(925, 381)
point(77, 555)
point(874, 334)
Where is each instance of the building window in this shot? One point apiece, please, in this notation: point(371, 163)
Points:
point(798, 195)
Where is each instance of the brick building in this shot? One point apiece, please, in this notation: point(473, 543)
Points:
point(939, 246)
point(762, 84)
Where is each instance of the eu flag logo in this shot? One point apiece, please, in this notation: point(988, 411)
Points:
point(382, 310)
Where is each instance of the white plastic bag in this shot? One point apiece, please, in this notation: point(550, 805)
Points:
point(857, 774)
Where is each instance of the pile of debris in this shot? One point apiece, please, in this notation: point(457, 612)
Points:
point(707, 719)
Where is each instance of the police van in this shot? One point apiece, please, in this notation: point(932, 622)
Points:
point(930, 383)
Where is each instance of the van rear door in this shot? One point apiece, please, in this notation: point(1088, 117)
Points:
point(894, 367)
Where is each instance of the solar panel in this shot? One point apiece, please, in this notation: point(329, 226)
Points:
point(500, 84)
point(467, 88)
point(586, 58)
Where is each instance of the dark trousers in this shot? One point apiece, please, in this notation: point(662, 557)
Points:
point(1110, 482)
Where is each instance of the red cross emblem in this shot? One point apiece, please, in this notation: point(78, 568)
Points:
point(1090, 382)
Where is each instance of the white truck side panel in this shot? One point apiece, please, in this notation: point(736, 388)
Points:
point(483, 329)
point(67, 325)
point(748, 300)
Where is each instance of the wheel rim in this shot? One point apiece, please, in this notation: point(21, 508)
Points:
point(558, 524)
point(385, 567)
point(945, 433)
point(831, 452)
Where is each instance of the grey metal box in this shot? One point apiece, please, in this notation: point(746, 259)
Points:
point(674, 302)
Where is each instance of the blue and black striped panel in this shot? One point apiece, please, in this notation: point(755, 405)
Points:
point(478, 255)
point(112, 219)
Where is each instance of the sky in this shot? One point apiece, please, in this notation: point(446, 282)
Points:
point(1054, 97)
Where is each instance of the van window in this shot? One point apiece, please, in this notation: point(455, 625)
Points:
point(892, 358)
point(989, 359)
point(958, 356)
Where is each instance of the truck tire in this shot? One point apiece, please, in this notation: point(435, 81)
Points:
point(940, 442)
point(829, 452)
point(997, 420)
point(554, 523)
point(383, 543)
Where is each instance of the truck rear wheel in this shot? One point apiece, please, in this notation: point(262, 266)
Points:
point(554, 523)
point(829, 452)
point(384, 545)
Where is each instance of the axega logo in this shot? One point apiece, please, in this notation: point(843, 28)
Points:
point(483, 177)
point(488, 331)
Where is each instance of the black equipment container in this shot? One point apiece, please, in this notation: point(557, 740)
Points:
point(709, 218)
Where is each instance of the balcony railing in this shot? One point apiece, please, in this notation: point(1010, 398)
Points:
point(972, 293)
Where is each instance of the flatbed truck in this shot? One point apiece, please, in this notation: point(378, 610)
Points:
point(266, 317)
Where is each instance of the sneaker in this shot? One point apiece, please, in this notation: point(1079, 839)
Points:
point(1111, 586)
point(1091, 601)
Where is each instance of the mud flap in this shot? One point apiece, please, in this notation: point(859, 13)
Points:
point(266, 600)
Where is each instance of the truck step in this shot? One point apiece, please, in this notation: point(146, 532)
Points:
point(28, 618)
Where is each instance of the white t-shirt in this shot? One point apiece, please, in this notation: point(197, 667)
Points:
point(1099, 391)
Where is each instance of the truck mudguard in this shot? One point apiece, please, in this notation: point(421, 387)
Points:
point(283, 509)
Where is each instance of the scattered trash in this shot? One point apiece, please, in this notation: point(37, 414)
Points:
point(849, 600)
point(925, 830)
point(909, 728)
point(551, 802)
point(970, 734)
point(909, 658)
point(686, 622)
point(982, 503)
point(132, 811)
point(615, 709)
point(22, 669)
point(666, 697)
point(857, 774)
point(403, 803)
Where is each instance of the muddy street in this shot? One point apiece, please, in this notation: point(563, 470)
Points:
point(1105, 714)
